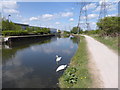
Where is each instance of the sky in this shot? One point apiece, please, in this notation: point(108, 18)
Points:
point(59, 15)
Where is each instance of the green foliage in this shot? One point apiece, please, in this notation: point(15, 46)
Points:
point(66, 32)
point(92, 32)
point(109, 25)
point(9, 29)
point(29, 29)
point(59, 31)
point(6, 25)
point(45, 30)
point(70, 76)
point(76, 30)
point(77, 75)
point(13, 33)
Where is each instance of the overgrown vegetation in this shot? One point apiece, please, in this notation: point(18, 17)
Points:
point(77, 74)
point(109, 26)
point(12, 32)
point(8, 25)
point(111, 42)
point(76, 30)
point(108, 32)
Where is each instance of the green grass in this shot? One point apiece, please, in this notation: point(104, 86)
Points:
point(77, 74)
point(111, 42)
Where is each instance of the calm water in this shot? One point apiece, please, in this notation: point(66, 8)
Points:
point(31, 64)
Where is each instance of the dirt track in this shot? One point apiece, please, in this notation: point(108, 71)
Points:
point(105, 62)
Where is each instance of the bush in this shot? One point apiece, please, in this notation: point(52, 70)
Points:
point(13, 33)
point(109, 25)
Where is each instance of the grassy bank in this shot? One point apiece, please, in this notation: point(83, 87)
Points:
point(77, 75)
point(111, 42)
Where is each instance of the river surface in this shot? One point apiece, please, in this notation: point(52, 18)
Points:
point(32, 64)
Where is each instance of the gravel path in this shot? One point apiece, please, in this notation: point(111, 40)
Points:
point(106, 62)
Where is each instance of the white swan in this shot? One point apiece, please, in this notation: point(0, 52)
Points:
point(58, 58)
point(61, 67)
point(6, 39)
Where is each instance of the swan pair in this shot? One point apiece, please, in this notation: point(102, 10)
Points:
point(61, 67)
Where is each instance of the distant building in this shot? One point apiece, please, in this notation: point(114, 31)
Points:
point(34, 27)
point(53, 30)
point(23, 26)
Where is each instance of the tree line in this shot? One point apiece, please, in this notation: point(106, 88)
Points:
point(108, 26)
point(10, 28)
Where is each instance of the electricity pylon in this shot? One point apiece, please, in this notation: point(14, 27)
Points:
point(103, 9)
point(83, 13)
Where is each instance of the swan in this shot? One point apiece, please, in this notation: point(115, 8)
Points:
point(61, 67)
point(6, 39)
point(58, 58)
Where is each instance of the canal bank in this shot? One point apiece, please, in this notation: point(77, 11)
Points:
point(10, 39)
point(77, 74)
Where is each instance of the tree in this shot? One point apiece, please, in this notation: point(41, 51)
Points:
point(109, 25)
point(6, 25)
point(66, 32)
point(59, 31)
point(17, 27)
point(76, 30)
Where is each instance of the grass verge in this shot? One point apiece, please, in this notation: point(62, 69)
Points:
point(77, 74)
point(111, 42)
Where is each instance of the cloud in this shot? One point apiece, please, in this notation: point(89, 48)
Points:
point(10, 7)
point(43, 17)
point(71, 19)
point(89, 6)
point(72, 8)
point(66, 14)
point(90, 16)
point(47, 16)
point(93, 25)
point(110, 6)
point(9, 11)
point(57, 22)
point(33, 18)
point(19, 16)
point(110, 15)
point(9, 4)
point(97, 9)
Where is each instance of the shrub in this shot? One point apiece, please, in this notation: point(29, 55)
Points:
point(13, 33)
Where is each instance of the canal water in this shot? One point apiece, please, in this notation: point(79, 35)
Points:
point(32, 64)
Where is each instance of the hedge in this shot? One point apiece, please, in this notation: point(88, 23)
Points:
point(14, 32)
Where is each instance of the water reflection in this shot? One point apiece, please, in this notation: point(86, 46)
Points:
point(75, 39)
point(8, 52)
point(33, 65)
